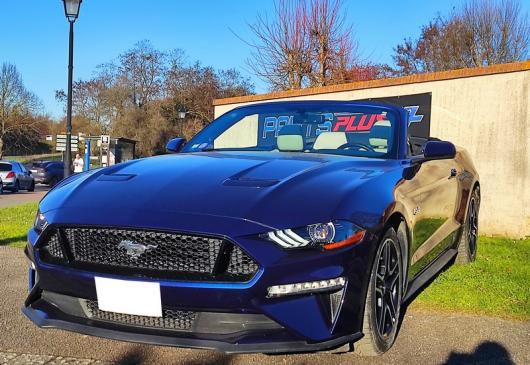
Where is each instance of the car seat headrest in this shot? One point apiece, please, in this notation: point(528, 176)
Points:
point(330, 140)
point(290, 138)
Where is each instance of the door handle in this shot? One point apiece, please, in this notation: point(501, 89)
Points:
point(453, 173)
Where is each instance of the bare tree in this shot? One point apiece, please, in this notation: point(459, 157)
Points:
point(194, 88)
point(481, 33)
point(495, 31)
point(303, 43)
point(17, 108)
point(143, 68)
point(281, 53)
point(332, 45)
point(140, 94)
point(91, 101)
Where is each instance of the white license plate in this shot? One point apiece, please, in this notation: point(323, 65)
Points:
point(129, 297)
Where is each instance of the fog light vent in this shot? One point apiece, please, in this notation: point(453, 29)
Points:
point(335, 301)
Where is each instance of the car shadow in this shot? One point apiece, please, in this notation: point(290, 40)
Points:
point(486, 353)
point(405, 305)
point(10, 240)
point(132, 357)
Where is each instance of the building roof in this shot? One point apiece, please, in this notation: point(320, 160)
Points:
point(412, 79)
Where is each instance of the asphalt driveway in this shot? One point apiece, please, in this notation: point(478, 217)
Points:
point(8, 199)
point(425, 338)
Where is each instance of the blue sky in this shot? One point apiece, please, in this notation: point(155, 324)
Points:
point(34, 33)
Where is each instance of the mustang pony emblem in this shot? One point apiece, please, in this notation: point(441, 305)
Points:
point(134, 249)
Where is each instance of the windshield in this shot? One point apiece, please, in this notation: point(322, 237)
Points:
point(5, 167)
point(39, 164)
point(309, 128)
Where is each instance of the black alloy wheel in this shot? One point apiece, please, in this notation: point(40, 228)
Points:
point(387, 289)
point(382, 308)
point(468, 244)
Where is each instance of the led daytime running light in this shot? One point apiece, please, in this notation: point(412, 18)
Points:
point(306, 287)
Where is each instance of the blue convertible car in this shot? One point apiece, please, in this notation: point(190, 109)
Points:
point(281, 227)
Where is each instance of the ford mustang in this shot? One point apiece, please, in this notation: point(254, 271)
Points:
point(280, 227)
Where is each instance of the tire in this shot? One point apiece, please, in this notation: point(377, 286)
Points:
point(54, 180)
point(16, 187)
point(467, 246)
point(32, 187)
point(1, 188)
point(384, 296)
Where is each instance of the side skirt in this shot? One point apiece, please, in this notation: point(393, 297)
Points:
point(429, 272)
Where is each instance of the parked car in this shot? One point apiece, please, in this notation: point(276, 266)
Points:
point(280, 227)
point(15, 177)
point(47, 172)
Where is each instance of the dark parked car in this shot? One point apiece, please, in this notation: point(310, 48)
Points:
point(47, 172)
point(280, 227)
point(15, 177)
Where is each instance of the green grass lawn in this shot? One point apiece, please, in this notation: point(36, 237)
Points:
point(496, 284)
point(30, 158)
point(15, 222)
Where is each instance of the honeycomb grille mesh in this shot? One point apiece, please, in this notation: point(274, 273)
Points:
point(171, 319)
point(240, 263)
point(143, 249)
point(54, 247)
point(149, 253)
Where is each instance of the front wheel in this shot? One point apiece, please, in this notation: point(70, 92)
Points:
point(382, 306)
point(32, 187)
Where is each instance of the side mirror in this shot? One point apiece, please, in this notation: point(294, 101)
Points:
point(174, 145)
point(439, 150)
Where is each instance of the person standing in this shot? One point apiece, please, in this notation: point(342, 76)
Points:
point(78, 164)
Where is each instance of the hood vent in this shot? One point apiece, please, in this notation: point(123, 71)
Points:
point(116, 177)
point(251, 183)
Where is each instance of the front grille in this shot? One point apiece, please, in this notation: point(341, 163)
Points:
point(171, 319)
point(148, 253)
point(163, 251)
point(54, 247)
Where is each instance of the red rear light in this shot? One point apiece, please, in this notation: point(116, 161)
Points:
point(10, 174)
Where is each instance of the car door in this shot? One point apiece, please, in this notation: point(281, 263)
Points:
point(25, 177)
point(435, 223)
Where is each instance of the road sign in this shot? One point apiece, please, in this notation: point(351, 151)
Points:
point(62, 149)
point(60, 144)
point(105, 139)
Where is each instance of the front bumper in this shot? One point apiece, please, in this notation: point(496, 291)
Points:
point(300, 323)
point(243, 342)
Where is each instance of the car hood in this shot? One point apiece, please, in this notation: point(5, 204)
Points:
point(274, 190)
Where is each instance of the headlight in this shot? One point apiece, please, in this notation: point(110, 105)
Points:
point(327, 235)
point(40, 222)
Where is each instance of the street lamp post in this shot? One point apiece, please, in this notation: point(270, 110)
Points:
point(71, 10)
